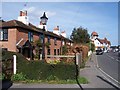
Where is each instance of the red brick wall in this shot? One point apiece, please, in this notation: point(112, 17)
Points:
point(11, 43)
point(16, 34)
point(21, 33)
point(52, 46)
point(24, 34)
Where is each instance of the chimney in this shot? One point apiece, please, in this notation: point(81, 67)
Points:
point(20, 13)
point(58, 27)
point(23, 17)
point(23, 13)
point(63, 33)
point(56, 30)
point(26, 13)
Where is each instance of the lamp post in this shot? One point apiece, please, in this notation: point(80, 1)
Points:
point(43, 21)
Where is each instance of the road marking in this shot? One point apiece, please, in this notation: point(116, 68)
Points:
point(112, 58)
point(107, 74)
point(110, 78)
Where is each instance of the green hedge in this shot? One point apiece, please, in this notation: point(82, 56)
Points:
point(39, 70)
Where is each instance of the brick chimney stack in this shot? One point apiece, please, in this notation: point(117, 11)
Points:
point(23, 13)
point(23, 17)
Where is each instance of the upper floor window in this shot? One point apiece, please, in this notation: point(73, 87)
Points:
point(55, 41)
point(3, 34)
point(30, 36)
point(49, 39)
point(41, 38)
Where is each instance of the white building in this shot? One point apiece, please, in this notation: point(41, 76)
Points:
point(104, 44)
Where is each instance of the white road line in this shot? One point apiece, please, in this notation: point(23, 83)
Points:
point(112, 58)
point(107, 75)
point(110, 78)
point(118, 83)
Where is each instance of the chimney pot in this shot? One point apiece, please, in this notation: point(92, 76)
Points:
point(20, 13)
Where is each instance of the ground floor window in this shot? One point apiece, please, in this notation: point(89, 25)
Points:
point(54, 51)
point(48, 51)
point(58, 51)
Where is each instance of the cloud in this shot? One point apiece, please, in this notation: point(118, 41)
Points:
point(36, 12)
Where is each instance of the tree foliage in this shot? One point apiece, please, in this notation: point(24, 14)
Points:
point(80, 35)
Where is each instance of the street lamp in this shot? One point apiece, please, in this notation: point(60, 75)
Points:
point(44, 22)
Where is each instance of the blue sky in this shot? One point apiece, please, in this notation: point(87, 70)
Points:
point(101, 17)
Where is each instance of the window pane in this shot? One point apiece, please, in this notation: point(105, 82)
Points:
point(54, 51)
point(1, 34)
point(55, 41)
point(29, 36)
point(5, 34)
point(48, 39)
point(41, 38)
point(48, 52)
point(5, 31)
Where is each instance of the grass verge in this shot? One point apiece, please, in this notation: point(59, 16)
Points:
point(82, 80)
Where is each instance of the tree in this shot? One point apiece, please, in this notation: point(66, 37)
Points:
point(80, 35)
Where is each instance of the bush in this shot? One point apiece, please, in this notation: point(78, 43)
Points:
point(40, 70)
point(2, 76)
point(18, 77)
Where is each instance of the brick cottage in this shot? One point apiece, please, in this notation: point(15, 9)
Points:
point(18, 36)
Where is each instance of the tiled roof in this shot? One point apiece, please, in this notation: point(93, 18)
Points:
point(16, 23)
point(94, 34)
point(104, 41)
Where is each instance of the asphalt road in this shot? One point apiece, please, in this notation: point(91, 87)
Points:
point(109, 63)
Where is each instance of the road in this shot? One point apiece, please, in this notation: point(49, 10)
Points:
point(109, 65)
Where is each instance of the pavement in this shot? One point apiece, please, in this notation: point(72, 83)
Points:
point(91, 72)
point(94, 76)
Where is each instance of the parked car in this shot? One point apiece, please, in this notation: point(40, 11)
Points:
point(118, 50)
point(99, 51)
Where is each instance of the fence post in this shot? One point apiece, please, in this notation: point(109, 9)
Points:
point(78, 57)
point(14, 64)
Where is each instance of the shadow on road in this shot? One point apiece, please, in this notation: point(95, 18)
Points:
point(116, 88)
point(6, 84)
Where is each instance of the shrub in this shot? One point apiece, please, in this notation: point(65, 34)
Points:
point(40, 70)
point(2, 76)
point(18, 77)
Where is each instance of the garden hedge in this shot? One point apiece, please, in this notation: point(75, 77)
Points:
point(40, 70)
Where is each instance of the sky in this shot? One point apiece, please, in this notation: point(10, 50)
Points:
point(101, 17)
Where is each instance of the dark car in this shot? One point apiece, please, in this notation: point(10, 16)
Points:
point(99, 52)
point(118, 50)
